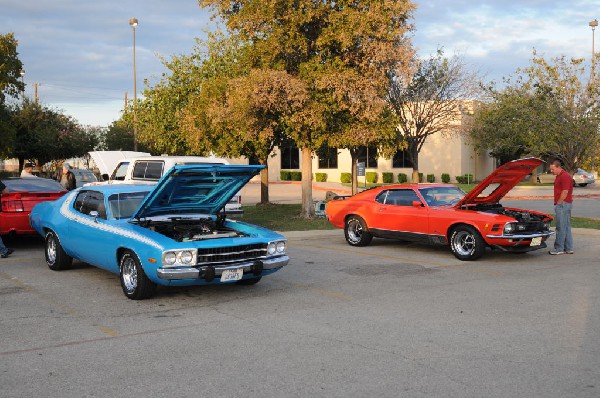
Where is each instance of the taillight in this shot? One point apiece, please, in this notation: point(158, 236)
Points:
point(12, 205)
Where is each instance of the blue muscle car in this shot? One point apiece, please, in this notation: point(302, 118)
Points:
point(174, 233)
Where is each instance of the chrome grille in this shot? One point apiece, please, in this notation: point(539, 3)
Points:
point(231, 253)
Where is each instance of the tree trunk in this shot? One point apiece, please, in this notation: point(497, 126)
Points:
point(354, 157)
point(414, 154)
point(308, 209)
point(264, 183)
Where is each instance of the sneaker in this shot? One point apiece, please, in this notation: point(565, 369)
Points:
point(9, 251)
point(4, 255)
point(570, 252)
point(555, 253)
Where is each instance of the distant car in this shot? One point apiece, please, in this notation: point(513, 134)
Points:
point(581, 178)
point(443, 214)
point(23, 194)
point(173, 233)
point(83, 176)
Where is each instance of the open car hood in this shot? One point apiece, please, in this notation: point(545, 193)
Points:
point(200, 188)
point(493, 188)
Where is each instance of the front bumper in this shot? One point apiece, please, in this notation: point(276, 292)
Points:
point(210, 272)
point(522, 236)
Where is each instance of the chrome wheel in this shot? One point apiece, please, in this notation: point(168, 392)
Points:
point(466, 243)
point(51, 249)
point(56, 258)
point(134, 282)
point(356, 232)
point(129, 274)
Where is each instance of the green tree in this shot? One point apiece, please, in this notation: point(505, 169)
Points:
point(551, 110)
point(430, 102)
point(44, 134)
point(10, 86)
point(337, 49)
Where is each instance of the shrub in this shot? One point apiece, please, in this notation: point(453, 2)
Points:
point(346, 178)
point(321, 177)
point(296, 175)
point(402, 178)
point(465, 179)
point(285, 175)
point(445, 178)
point(430, 177)
point(387, 178)
point(371, 177)
point(420, 177)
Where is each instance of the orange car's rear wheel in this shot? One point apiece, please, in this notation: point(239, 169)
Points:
point(356, 232)
point(466, 243)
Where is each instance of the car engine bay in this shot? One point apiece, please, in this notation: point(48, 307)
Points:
point(187, 229)
point(519, 215)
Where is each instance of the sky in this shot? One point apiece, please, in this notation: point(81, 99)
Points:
point(80, 52)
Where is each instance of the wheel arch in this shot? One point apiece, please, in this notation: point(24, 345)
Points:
point(458, 224)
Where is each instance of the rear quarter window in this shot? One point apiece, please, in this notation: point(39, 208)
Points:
point(148, 170)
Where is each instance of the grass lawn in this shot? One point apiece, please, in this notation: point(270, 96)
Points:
point(285, 217)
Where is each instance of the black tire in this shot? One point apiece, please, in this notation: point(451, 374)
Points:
point(466, 243)
point(357, 232)
point(582, 185)
point(134, 281)
point(56, 258)
point(250, 281)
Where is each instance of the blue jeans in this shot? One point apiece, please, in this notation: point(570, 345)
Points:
point(564, 239)
point(3, 249)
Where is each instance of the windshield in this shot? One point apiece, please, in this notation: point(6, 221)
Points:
point(441, 196)
point(123, 205)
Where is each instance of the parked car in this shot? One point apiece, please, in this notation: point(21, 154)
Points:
point(173, 233)
point(83, 176)
point(23, 194)
point(443, 214)
point(581, 178)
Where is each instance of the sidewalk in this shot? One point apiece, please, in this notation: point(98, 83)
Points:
point(291, 191)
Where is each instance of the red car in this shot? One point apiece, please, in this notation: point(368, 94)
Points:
point(23, 194)
point(443, 214)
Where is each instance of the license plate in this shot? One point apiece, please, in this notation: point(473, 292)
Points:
point(536, 241)
point(232, 275)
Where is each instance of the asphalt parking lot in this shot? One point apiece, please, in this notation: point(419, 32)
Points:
point(391, 319)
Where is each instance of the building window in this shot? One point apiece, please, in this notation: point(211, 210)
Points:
point(290, 157)
point(401, 160)
point(328, 158)
point(368, 155)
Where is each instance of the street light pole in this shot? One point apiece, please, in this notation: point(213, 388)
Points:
point(133, 22)
point(593, 25)
point(22, 73)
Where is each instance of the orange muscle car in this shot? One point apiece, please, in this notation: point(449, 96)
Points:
point(443, 214)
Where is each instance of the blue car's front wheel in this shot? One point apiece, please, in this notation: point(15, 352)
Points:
point(134, 281)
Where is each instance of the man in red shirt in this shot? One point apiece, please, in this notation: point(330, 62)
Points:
point(563, 203)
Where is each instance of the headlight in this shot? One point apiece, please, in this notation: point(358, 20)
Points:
point(509, 228)
point(281, 247)
point(271, 248)
point(186, 257)
point(170, 258)
point(178, 258)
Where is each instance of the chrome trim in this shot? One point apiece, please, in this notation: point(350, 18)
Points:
point(528, 236)
point(195, 273)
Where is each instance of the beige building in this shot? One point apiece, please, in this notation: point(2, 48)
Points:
point(440, 154)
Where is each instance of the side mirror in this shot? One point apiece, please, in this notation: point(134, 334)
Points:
point(104, 177)
point(416, 203)
point(94, 214)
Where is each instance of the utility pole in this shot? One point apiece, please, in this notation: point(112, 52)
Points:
point(125, 104)
point(35, 92)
